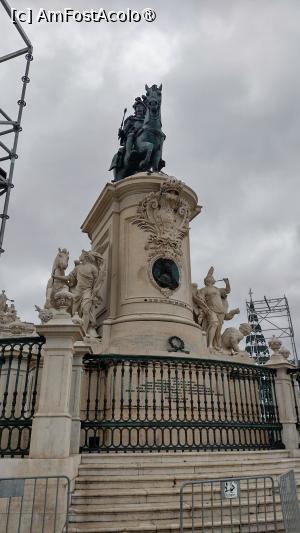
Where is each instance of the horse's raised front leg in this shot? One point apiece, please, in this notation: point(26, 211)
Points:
point(147, 147)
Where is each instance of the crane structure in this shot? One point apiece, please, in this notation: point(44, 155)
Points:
point(268, 317)
point(11, 128)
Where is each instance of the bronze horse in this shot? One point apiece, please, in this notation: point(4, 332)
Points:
point(150, 138)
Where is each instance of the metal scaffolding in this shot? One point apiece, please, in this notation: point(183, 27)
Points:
point(9, 128)
point(268, 317)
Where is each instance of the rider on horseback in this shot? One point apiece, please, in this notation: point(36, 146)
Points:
point(127, 135)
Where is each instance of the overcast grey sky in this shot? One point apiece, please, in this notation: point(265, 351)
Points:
point(231, 84)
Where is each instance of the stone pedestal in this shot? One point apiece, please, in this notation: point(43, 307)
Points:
point(51, 427)
point(285, 400)
point(141, 227)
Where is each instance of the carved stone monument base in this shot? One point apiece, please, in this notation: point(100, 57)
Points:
point(142, 224)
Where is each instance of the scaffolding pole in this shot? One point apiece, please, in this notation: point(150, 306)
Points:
point(12, 127)
point(273, 318)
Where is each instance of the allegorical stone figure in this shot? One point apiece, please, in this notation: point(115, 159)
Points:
point(85, 282)
point(3, 302)
point(141, 137)
point(213, 304)
point(10, 323)
point(233, 336)
point(8, 313)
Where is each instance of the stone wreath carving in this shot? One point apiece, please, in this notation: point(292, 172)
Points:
point(165, 215)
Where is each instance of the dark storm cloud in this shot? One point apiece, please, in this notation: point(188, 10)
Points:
point(231, 80)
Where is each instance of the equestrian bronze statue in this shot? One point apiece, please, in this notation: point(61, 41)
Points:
point(141, 137)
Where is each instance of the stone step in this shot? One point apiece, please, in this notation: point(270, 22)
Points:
point(171, 527)
point(150, 495)
point(164, 457)
point(188, 456)
point(171, 480)
point(135, 493)
point(211, 466)
point(255, 501)
point(175, 528)
point(132, 514)
point(142, 485)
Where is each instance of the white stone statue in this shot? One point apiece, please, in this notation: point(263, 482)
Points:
point(231, 338)
point(8, 313)
point(214, 305)
point(55, 284)
point(85, 282)
point(3, 302)
point(10, 323)
point(11, 313)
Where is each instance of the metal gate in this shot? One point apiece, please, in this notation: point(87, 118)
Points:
point(243, 505)
point(34, 504)
point(289, 502)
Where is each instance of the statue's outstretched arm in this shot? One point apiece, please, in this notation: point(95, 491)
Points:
point(227, 285)
point(231, 314)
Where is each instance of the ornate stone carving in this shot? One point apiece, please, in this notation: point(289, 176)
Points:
point(44, 314)
point(284, 352)
point(63, 299)
point(275, 345)
point(176, 344)
point(165, 215)
point(21, 328)
point(77, 320)
point(278, 350)
point(233, 336)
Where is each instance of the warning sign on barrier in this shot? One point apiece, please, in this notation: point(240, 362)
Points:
point(230, 489)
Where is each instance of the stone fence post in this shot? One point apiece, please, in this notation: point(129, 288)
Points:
point(80, 349)
point(285, 401)
point(52, 424)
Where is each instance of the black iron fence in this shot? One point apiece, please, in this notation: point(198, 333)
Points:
point(20, 363)
point(134, 403)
